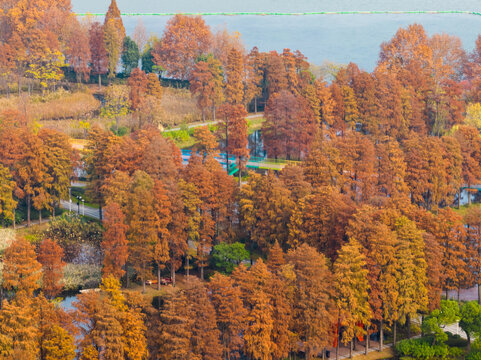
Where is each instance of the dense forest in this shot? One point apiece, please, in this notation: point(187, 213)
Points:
point(360, 234)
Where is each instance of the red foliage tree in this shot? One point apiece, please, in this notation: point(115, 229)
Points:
point(50, 256)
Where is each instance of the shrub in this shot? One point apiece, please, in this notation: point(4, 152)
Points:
point(65, 106)
point(72, 233)
point(59, 105)
point(226, 257)
point(80, 276)
point(6, 238)
point(422, 348)
point(455, 340)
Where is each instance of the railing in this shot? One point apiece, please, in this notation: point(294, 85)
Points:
point(263, 13)
point(253, 159)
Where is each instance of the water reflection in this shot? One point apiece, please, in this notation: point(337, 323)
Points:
point(256, 145)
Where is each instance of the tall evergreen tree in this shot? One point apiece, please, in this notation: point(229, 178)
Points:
point(130, 55)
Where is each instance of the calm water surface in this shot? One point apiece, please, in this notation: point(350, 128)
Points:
point(337, 38)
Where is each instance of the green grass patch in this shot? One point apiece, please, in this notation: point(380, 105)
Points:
point(80, 191)
point(463, 209)
point(254, 124)
point(183, 138)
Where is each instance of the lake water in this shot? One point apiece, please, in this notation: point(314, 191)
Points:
point(337, 38)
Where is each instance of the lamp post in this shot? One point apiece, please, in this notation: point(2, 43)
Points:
point(79, 198)
point(83, 207)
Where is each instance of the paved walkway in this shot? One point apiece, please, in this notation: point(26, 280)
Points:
point(84, 210)
point(255, 116)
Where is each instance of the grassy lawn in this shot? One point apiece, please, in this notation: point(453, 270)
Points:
point(255, 124)
point(80, 191)
point(184, 138)
point(464, 209)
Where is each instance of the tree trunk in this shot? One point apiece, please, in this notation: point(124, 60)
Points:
point(408, 323)
point(100, 82)
point(366, 349)
point(447, 294)
point(394, 333)
point(143, 278)
point(479, 293)
point(240, 172)
point(203, 115)
point(381, 335)
point(337, 338)
point(350, 349)
point(100, 211)
point(158, 277)
point(127, 278)
point(227, 147)
point(40, 216)
point(213, 113)
point(187, 268)
point(458, 294)
point(28, 210)
point(469, 198)
point(459, 198)
point(422, 320)
point(202, 271)
point(255, 105)
point(14, 222)
point(172, 273)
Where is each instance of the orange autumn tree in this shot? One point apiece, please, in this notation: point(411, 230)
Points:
point(176, 52)
point(313, 305)
point(352, 285)
point(205, 338)
point(449, 230)
point(233, 130)
point(113, 13)
point(253, 77)
point(472, 220)
point(319, 220)
point(379, 242)
point(230, 313)
point(50, 256)
point(59, 165)
point(142, 221)
point(206, 142)
point(289, 127)
point(32, 174)
point(114, 241)
point(7, 202)
point(163, 213)
point(78, 50)
point(177, 320)
point(470, 144)
point(265, 210)
point(21, 270)
point(138, 84)
point(409, 56)
point(98, 59)
point(234, 87)
point(114, 34)
point(198, 174)
point(206, 83)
